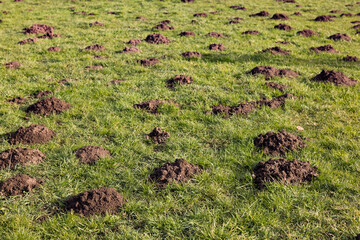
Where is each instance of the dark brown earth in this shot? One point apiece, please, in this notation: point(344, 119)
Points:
point(179, 171)
point(238, 7)
point(338, 78)
point(34, 134)
point(215, 34)
point(97, 201)
point(187, 1)
point(271, 72)
point(275, 85)
point(157, 38)
point(19, 185)
point(163, 27)
point(219, 47)
point(356, 26)
point(95, 47)
point(324, 18)
point(17, 100)
point(41, 94)
point(48, 106)
point(340, 37)
point(235, 20)
point(351, 59)
point(158, 136)
point(325, 48)
point(39, 28)
point(22, 156)
point(134, 41)
point(278, 143)
point(149, 62)
point(54, 49)
point(12, 65)
point(283, 27)
point(307, 33)
point(347, 15)
point(297, 13)
point(187, 34)
point(191, 55)
point(284, 171)
point(251, 32)
point(276, 51)
point(179, 80)
point(96, 23)
point(283, 42)
point(335, 11)
point(280, 16)
point(91, 154)
point(260, 14)
point(29, 40)
point(200, 15)
point(150, 106)
point(131, 49)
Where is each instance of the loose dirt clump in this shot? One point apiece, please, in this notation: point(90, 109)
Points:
point(307, 33)
point(180, 171)
point(48, 106)
point(275, 102)
point(325, 48)
point(157, 38)
point(12, 65)
point(260, 14)
point(100, 201)
point(95, 47)
point(149, 62)
point(284, 171)
point(235, 20)
point(350, 59)
point(338, 78)
point(340, 37)
point(251, 32)
point(39, 28)
point(275, 85)
point(41, 94)
point(347, 15)
point(150, 106)
point(276, 51)
point(54, 49)
point(34, 134)
point(96, 24)
point(278, 143)
point(158, 136)
point(280, 16)
point(297, 13)
point(324, 19)
point(91, 154)
point(134, 41)
point(19, 185)
point(200, 15)
point(356, 26)
point(191, 55)
point(283, 27)
point(179, 80)
point(17, 100)
point(29, 40)
point(215, 47)
point(187, 34)
point(215, 34)
point(23, 156)
point(271, 72)
point(131, 49)
point(238, 7)
point(163, 27)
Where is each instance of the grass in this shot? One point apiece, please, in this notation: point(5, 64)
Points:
point(222, 203)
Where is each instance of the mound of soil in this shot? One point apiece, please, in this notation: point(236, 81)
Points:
point(150, 106)
point(158, 136)
point(54, 49)
point(250, 32)
point(100, 201)
point(283, 27)
point(29, 40)
point(297, 13)
point(191, 55)
point(179, 80)
point(260, 14)
point(356, 26)
point(23, 156)
point(163, 27)
point(215, 34)
point(91, 154)
point(335, 11)
point(157, 38)
point(96, 23)
point(41, 94)
point(286, 1)
point(131, 49)
point(95, 47)
point(149, 62)
point(19, 185)
point(31, 135)
point(17, 100)
point(38, 28)
point(284, 171)
point(12, 65)
point(134, 41)
point(340, 37)
point(347, 15)
point(338, 78)
point(280, 16)
point(324, 18)
point(275, 102)
point(276, 51)
point(179, 171)
point(165, 22)
point(187, 1)
point(48, 106)
point(325, 48)
point(236, 20)
point(216, 46)
point(187, 34)
point(277, 86)
point(238, 7)
point(49, 36)
point(200, 15)
point(271, 72)
point(306, 33)
point(350, 59)
point(278, 143)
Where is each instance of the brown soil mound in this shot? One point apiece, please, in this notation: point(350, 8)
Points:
point(286, 1)
point(187, 1)
point(283, 27)
point(187, 34)
point(306, 33)
point(355, 22)
point(335, 11)
point(280, 16)
point(165, 22)
point(200, 15)
point(131, 49)
point(277, 86)
point(284, 171)
point(340, 37)
point(54, 49)
point(49, 36)
point(41, 94)
point(179, 80)
point(326, 48)
point(276, 51)
point(18, 185)
point(251, 32)
point(260, 14)
point(48, 106)
point(23, 156)
point(97, 201)
point(275, 102)
point(350, 59)
point(271, 72)
point(163, 27)
point(347, 15)
point(236, 20)
point(215, 34)
point(29, 40)
point(338, 78)
point(134, 41)
point(191, 55)
point(356, 26)
point(324, 19)
point(158, 136)
point(149, 62)
point(278, 143)
point(215, 47)
point(38, 28)
point(179, 171)
point(95, 47)
point(238, 7)
point(31, 135)
point(96, 23)
point(150, 106)
point(17, 100)
point(91, 154)
point(297, 13)
point(157, 38)
point(12, 65)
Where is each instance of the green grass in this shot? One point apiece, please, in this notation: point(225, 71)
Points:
point(221, 203)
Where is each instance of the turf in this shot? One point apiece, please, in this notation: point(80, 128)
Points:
point(221, 203)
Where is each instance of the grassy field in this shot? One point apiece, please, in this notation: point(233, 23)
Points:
point(221, 203)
